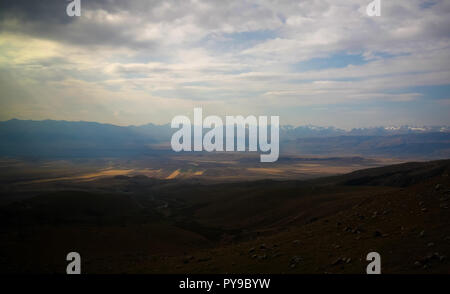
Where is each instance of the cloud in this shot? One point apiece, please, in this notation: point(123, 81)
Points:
point(122, 60)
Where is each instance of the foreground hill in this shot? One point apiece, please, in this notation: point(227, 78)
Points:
point(143, 225)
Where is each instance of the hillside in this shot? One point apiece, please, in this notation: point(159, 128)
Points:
point(138, 224)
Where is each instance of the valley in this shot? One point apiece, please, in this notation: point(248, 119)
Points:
point(137, 224)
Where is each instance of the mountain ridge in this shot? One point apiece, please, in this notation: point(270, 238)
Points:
point(50, 138)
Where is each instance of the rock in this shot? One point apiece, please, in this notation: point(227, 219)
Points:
point(251, 250)
point(417, 263)
point(348, 260)
point(356, 231)
point(262, 246)
point(338, 261)
point(431, 244)
point(432, 257)
point(277, 254)
point(377, 234)
point(262, 257)
point(295, 259)
point(438, 187)
point(422, 234)
point(296, 242)
point(203, 259)
point(424, 209)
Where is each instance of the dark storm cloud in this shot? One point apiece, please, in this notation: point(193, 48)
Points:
point(49, 11)
point(54, 11)
point(48, 19)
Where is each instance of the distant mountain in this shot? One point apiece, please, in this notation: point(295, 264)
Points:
point(48, 138)
point(291, 132)
point(316, 131)
point(69, 139)
point(426, 145)
point(159, 133)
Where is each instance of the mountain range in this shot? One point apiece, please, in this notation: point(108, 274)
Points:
point(49, 138)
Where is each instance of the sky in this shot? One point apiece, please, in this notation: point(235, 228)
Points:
point(320, 62)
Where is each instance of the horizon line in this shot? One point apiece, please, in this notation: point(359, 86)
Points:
point(385, 127)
